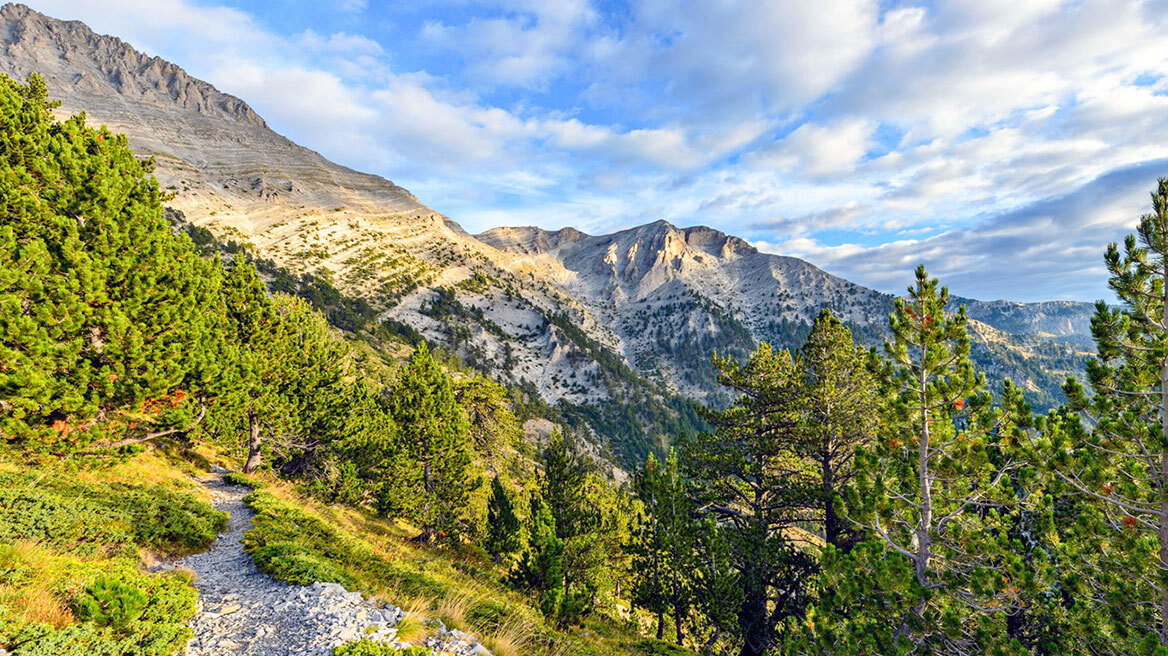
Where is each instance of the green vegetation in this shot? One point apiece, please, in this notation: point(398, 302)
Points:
point(370, 648)
point(70, 582)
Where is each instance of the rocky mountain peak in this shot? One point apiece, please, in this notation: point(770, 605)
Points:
point(76, 61)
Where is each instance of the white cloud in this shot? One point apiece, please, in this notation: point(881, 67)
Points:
point(820, 150)
point(339, 42)
point(526, 45)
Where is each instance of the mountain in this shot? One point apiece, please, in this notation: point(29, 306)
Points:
point(616, 329)
point(669, 293)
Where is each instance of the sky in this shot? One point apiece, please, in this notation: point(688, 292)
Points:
point(1002, 143)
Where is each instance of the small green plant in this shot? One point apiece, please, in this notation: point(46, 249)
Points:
point(297, 565)
point(235, 478)
point(370, 648)
point(110, 604)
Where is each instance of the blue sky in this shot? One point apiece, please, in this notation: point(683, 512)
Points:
point(1003, 143)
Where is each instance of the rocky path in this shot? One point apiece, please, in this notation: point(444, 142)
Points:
point(244, 612)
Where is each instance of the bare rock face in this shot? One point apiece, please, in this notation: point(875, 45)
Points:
point(211, 148)
point(75, 60)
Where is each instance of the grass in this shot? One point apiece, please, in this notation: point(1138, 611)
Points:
point(236, 478)
point(411, 629)
point(73, 540)
point(452, 609)
point(512, 638)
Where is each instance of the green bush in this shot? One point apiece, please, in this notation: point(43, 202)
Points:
point(295, 564)
point(370, 648)
point(298, 547)
point(94, 517)
point(236, 478)
point(172, 522)
point(110, 604)
point(63, 520)
point(157, 628)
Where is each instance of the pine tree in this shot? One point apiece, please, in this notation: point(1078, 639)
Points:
point(663, 544)
point(841, 415)
point(936, 489)
point(1121, 464)
point(435, 479)
point(104, 320)
point(542, 567)
point(493, 427)
point(503, 537)
point(574, 497)
point(748, 476)
point(649, 546)
point(716, 584)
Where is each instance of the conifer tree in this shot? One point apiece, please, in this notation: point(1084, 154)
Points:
point(572, 494)
point(104, 319)
point(663, 544)
point(749, 477)
point(1120, 465)
point(717, 588)
point(542, 568)
point(435, 478)
point(840, 415)
point(493, 428)
point(935, 489)
point(503, 537)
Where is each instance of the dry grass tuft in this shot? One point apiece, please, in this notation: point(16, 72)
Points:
point(512, 638)
point(39, 604)
point(32, 597)
point(452, 608)
point(411, 629)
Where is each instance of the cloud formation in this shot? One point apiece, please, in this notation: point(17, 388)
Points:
point(1003, 143)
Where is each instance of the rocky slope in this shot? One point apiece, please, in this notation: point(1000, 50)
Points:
point(615, 326)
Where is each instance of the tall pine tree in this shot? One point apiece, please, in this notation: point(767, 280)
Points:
point(748, 475)
point(435, 477)
point(663, 544)
point(504, 537)
point(1121, 464)
point(840, 415)
point(936, 488)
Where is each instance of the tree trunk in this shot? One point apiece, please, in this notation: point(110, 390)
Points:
point(831, 519)
point(254, 455)
point(1163, 518)
point(1163, 538)
point(924, 529)
point(660, 624)
point(679, 621)
point(752, 618)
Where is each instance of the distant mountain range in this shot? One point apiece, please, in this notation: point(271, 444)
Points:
point(616, 328)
